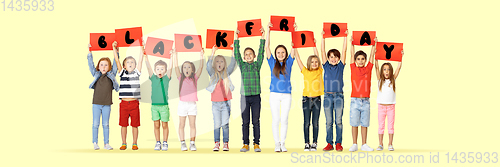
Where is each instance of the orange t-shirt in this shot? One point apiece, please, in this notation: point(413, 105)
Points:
point(219, 94)
point(361, 80)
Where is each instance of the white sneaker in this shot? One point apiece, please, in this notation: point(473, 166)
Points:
point(283, 148)
point(353, 148)
point(183, 146)
point(307, 147)
point(108, 147)
point(380, 148)
point(313, 147)
point(96, 147)
point(164, 146)
point(365, 147)
point(216, 147)
point(277, 147)
point(192, 147)
point(391, 148)
point(157, 146)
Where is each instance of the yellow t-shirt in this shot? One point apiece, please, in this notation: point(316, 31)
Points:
point(313, 82)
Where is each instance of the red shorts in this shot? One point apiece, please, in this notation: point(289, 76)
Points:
point(130, 109)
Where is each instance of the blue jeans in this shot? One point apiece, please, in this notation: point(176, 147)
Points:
point(221, 112)
point(360, 112)
point(311, 106)
point(334, 102)
point(97, 111)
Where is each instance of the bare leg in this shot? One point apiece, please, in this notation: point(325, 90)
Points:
point(135, 134)
point(165, 131)
point(192, 125)
point(381, 139)
point(391, 137)
point(157, 130)
point(364, 131)
point(124, 134)
point(182, 124)
point(354, 135)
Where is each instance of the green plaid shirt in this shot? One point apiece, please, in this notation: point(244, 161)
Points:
point(250, 72)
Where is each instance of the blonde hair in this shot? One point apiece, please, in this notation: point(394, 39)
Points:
point(309, 61)
point(221, 74)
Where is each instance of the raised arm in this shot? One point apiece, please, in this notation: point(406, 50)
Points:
point(323, 53)
point(352, 50)
point(372, 53)
point(115, 53)
point(268, 50)
point(170, 67)
point(297, 57)
point(377, 71)
point(176, 63)
point(141, 56)
point(232, 66)
point(90, 60)
point(260, 55)
point(200, 69)
point(148, 66)
point(344, 48)
point(236, 49)
point(315, 50)
point(396, 73)
point(210, 70)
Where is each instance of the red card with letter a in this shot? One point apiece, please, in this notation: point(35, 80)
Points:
point(389, 51)
point(223, 39)
point(129, 37)
point(159, 47)
point(249, 28)
point(302, 39)
point(101, 41)
point(187, 43)
point(363, 38)
point(282, 23)
point(334, 29)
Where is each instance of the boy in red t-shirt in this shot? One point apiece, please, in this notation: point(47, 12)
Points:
point(360, 97)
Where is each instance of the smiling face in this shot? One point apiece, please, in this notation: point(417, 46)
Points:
point(333, 59)
point(314, 63)
point(281, 54)
point(103, 67)
point(360, 61)
point(386, 70)
point(187, 70)
point(249, 56)
point(219, 63)
point(160, 70)
point(129, 64)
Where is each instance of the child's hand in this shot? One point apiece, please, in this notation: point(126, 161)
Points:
point(322, 33)
point(263, 32)
point(376, 40)
point(115, 44)
point(292, 44)
point(314, 40)
point(402, 53)
point(270, 25)
point(172, 52)
point(202, 52)
point(90, 47)
point(295, 26)
point(214, 48)
point(237, 32)
point(346, 32)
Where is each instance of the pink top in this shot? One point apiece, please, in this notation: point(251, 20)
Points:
point(219, 95)
point(188, 90)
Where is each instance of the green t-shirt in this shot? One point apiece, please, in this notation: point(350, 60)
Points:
point(159, 90)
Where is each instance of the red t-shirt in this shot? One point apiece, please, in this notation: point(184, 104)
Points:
point(361, 80)
point(219, 93)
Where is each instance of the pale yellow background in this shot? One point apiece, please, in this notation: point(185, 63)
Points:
point(446, 102)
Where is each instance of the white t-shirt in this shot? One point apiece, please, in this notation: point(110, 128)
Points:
point(387, 94)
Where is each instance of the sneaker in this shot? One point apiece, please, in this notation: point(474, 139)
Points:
point(123, 147)
point(283, 148)
point(256, 147)
point(164, 146)
point(244, 148)
point(192, 147)
point(328, 147)
point(226, 146)
point(277, 147)
point(134, 147)
point(216, 147)
point(353, 148)
point(314, 146)
point(391, 148)
point(96, 147)
point(339, 147)
point(183, 146)
point(365, 147)
point(158, 146)
point(307, 147)
point(108, 147)
point(380, 148)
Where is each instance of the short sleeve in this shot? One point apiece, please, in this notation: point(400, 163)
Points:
point(121, 72)
point(271, 61)
point(304, 70)
point(137, 71)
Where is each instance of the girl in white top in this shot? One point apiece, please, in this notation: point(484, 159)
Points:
point(386, 99)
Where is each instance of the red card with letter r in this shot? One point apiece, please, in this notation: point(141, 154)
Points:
point(282, 23)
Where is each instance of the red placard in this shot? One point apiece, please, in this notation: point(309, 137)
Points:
point(363, 38)
point(334, 29)
point(249, 28)
point(187, 43)
point(302, 39)
point(127, 37)
point(223, 39)
point(390, 51)
point(101, 41)
point(282, 23)
point(159, 47)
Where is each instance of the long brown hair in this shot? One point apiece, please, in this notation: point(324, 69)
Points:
point(103, 59)
point(184, 76)
point(278, 68)
point(309, 61)
point(391, 76)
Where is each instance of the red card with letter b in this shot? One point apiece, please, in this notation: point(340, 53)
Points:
point(158, 47)
point(129, 37)
point(282, 23)
point(249, 28)
point(187, 43)
point(302, 39)
point(101, 41)
point(389, 51)
point(363, 38)
point(334, 30)
point(223, 39)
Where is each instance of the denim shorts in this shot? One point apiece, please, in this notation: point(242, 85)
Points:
point(360, 112)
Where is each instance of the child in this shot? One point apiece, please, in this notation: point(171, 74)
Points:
point(280, 88)
point(130, 93)
point(360, 97)
point(188, 96)
point(220, 86)
point(103, 85)
point(311, 96)
point(250, 90)
point(386, 100)
point(159, 100)
point(334, 94)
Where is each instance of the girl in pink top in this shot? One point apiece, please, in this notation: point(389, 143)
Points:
point(188, 80)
